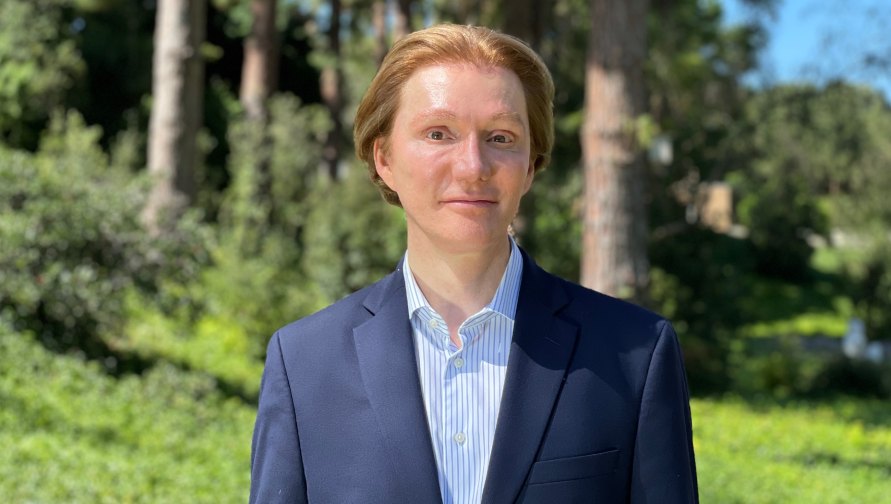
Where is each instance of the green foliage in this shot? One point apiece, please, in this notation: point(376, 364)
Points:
point(834, 323)
point(288, 243)
point(70, 240)
point(273, 169)
point(352, 237)
point(555, 237)
point(39, 63)
point(774, 453)
point(220, 322)
point(820, 169)
point(70, 433)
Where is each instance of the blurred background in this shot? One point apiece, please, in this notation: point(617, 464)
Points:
point(178, 181)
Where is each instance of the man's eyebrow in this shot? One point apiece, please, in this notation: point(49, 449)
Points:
point(435, 114)
point(507, 115)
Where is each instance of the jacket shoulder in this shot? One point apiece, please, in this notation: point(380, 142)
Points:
point(339, 316)
point(611, 315)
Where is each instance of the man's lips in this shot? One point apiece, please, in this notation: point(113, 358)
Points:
point(476, 203)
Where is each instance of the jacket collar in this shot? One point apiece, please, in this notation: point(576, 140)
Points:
point(540, 353)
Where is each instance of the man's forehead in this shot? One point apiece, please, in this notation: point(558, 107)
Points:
point(440, 92)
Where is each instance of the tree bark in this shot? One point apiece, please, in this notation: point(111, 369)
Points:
point(379, 21)
point(259, 79)
point(259, 72)
point(331, 95)
point(526, 19)
point(614, 240)
point(402, 19)
point(177, 110)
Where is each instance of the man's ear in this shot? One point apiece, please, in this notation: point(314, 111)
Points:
point(382, 164)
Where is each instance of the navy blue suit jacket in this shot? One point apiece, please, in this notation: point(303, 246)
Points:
point(594, 409)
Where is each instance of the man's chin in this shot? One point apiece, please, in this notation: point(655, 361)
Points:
point(471, 242)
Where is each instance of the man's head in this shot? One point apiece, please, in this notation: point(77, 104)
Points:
point(453, 45)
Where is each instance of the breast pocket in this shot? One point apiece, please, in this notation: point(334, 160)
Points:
point(573, 480)
point(571, 468)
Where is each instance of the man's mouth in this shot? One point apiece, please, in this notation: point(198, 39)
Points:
point(470, 203)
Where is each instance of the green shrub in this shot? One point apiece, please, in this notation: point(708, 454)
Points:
point(70, 433)
point(39, 63)
point(352, 237)
point(220, 322)
point(770, 453)
point(70, 240)
point(782, 369)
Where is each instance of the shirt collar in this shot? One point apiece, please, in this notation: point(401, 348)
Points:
point(504, 302)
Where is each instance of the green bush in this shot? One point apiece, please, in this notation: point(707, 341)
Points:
point(782, 368)
point(39, 63)
point(221, 321)
point(773, 453)
point(70, 239)
point(70, 433)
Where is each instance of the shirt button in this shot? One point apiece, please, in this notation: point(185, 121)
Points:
point(460, 438)
point(459, 363)
point(434, 324)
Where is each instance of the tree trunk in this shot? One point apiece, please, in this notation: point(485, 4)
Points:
point(379, 20)
point(259, 79)
point(177, 110)
point(330, 90)
point(402, 19)
point(526, 19)
point(614, 254)
point(259, 72)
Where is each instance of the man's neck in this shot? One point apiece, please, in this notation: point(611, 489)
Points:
point(457, 285)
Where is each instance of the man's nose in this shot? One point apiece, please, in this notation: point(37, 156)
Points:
point(471, 164)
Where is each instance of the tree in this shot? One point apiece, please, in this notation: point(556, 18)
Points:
point(177, 107)
point(526, 20)
point(379, 21)
point(259, 74)
point(402, 25)
point(259, 78)
point(39, 62)
point(614, 258)
point(330, 86)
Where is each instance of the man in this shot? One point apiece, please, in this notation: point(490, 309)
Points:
point(469, 374)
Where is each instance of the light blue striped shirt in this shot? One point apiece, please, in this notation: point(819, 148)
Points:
point(462, 387)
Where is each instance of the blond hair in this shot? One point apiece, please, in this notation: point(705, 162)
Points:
point(453, 44)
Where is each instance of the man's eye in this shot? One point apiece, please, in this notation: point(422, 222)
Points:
point(436, 135)
point(500, 139)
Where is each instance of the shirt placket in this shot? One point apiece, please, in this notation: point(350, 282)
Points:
point(464, 399)
point(456, 436)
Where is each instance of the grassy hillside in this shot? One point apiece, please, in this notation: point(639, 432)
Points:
point(72, 434)
point(796, 453)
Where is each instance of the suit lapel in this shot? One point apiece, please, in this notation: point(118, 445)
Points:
point(389, 371)
point(540, 352)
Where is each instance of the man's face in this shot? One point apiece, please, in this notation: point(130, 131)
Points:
point(458, 155)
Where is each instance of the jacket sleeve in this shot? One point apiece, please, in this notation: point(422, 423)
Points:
point(276, 462)
point(664, 468)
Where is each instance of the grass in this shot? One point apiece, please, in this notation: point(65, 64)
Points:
point(69, 433)
point(832, 453)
